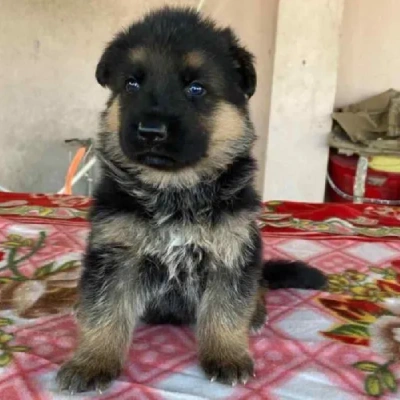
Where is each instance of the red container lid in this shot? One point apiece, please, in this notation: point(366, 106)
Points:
point(379, 184)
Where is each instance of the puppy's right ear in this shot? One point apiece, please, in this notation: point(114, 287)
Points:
point(103, 69)
point(106, 65)
point(110, 60)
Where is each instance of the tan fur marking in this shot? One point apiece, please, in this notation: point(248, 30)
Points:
point(116, 230)
point(218, 324)
point(222, 339)
point(194, 59)
point(138, 54)
point(112, 118)
point(223, 347)
point(98, 359)
point(185, 178)
point(92, 342)
point(227, 124)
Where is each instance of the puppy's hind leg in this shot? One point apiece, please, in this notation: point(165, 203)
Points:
point(260, 313)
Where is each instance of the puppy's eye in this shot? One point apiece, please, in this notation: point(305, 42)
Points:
point(132, 85)
point(195, 89)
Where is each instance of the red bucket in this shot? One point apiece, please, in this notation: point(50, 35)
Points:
point(379, 185)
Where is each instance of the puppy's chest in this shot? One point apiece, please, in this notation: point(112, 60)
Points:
point(183, 252)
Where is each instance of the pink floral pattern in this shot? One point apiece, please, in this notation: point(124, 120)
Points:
point(319, 342)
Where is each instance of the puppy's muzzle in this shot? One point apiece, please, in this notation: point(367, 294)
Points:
point(152, 132)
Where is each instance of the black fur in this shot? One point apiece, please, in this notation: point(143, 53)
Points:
point(174, 237)
point(279, 274)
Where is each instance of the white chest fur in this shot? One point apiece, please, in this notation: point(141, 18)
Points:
point(178, 245)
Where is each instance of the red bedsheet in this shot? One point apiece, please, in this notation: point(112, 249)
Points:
point(315, 345)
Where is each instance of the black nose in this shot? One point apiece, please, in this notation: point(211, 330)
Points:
point(152, 131)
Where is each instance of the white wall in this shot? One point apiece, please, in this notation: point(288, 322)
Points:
point(303, 93)
point(369, 49)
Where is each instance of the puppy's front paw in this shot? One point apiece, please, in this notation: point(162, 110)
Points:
point(76, 376)
point(230, 372)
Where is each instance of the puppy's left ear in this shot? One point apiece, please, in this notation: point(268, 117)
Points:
point(244, 63)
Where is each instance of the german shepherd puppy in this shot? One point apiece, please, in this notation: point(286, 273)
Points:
point(174, 236)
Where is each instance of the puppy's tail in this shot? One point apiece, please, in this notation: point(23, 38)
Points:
point(279, 274)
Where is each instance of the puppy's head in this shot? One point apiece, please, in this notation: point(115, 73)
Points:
point(180, 87)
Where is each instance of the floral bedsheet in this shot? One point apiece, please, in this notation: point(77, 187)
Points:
point(315, 344)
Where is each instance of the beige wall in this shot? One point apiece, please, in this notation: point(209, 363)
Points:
point(49, 50)
point(370, 49)
point(48, 53)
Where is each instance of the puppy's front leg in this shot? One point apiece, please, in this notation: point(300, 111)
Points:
point(106, 316)
point(224, 320)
